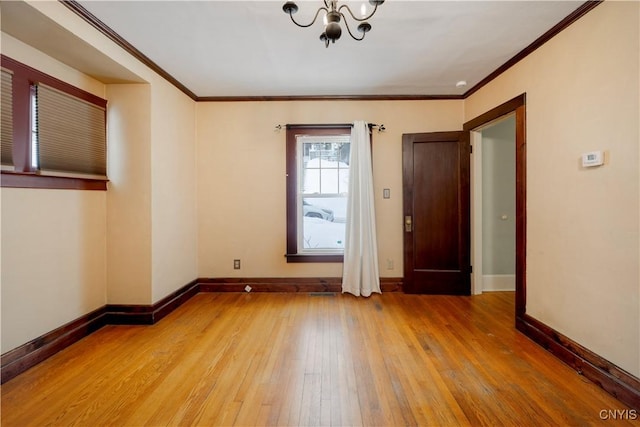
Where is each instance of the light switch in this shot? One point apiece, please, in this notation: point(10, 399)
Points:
point(386, 193)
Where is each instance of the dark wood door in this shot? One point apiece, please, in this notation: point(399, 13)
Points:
point(436, 213)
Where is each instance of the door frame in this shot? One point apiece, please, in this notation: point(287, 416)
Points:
point(475, 138)
point(516, 105)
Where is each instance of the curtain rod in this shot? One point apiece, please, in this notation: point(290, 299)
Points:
point(380, 127)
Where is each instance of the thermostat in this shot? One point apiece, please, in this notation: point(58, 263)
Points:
point(593, 158)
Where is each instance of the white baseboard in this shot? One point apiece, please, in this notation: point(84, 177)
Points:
point(498, 282)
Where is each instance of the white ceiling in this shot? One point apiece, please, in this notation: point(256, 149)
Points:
point(251, 48)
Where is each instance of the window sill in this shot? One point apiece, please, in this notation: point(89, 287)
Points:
point(11, 179)
point(314, 258)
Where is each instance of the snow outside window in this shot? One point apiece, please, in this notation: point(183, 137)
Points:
point(323, 181)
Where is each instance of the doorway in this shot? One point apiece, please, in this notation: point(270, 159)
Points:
point(516, 106)
point(493, 206)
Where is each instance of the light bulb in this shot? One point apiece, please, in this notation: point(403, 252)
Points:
point(324, 20)
point(363, 10)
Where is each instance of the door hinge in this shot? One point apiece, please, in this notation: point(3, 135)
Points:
point(471, 149)
point(471, 269)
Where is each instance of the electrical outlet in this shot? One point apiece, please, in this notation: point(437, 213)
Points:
point(236, 264)
point(389, 264)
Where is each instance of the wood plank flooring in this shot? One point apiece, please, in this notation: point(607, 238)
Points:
point(306, 360)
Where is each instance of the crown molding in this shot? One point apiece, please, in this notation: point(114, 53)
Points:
point(91, 19)
point(554, 31)
point(327, 98)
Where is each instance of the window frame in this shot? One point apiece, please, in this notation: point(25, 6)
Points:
point(293, 255)
point(23, 174)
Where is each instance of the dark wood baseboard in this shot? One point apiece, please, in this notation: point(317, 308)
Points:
point(270, 284)
point(35, 351)
point(150, 314)
point(288, 284)
point(391, 284)
point(614, 380)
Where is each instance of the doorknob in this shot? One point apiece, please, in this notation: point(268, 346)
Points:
point(407, 223)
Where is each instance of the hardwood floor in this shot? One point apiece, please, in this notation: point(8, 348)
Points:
point(304, 359)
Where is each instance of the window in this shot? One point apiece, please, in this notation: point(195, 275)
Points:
point(317, 190)
point(53, 134)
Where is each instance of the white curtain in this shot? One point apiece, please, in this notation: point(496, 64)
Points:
point(360, 272)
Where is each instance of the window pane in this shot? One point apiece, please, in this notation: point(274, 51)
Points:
point(343, 181)
point(329, 179)
point(323, 223)
point(328, 152)
point(344, 153)
point(311, 181)
point(325, 167)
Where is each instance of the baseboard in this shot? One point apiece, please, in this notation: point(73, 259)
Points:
point(35, 351)
point(270, 284)
point(149, 314)
point(498, 282)
point(391, 284)
point(288, 284)
point(614, 380)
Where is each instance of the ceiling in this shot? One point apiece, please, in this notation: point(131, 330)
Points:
point(252, 49)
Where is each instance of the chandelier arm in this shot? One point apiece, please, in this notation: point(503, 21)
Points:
point(375, 7)
point(314, 18)
point(346, 24)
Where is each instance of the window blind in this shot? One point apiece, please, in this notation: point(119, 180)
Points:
point(6, 119)
point(71, 133)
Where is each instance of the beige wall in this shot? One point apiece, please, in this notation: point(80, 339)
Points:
point(582, 225)
point(129, 194)
point(53, 260)
point(53, 241)
point(173, 176)
point(26, 54)
point(134, 244)
point(163, 172)
point(151, 197)
point(241, 179)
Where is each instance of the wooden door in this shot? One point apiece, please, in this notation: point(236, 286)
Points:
point(436, 213)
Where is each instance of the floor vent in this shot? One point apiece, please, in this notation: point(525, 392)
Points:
point(322, 294)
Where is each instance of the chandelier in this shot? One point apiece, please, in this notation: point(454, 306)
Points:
point(332, 17)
